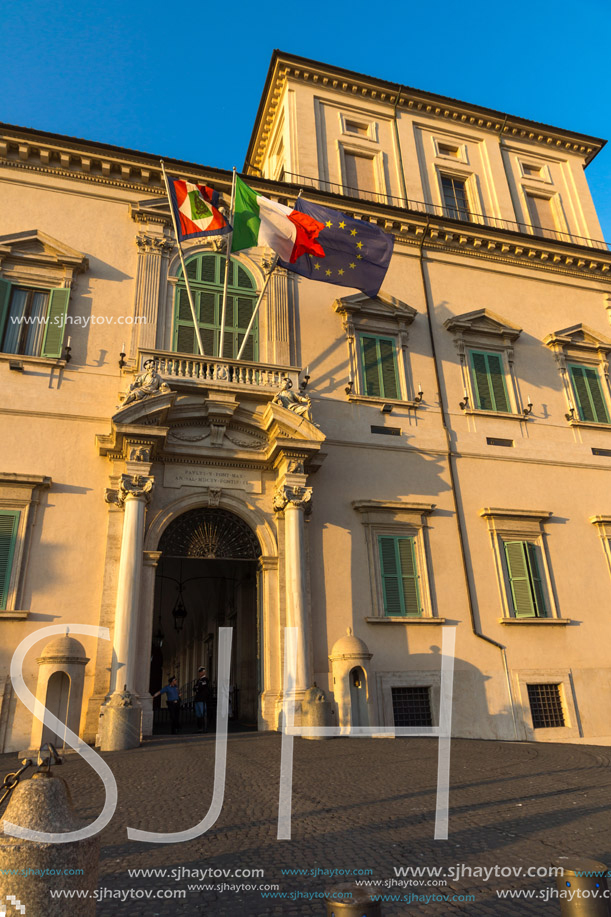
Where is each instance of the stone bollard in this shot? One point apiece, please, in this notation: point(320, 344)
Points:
point(584, 903)
point(359, 904)
point(42, 803)
point(120, 723)
point(316, 710)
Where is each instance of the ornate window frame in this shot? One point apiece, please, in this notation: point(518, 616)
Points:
point(603, 525)
point(37, 261)
point(521, 525)
point(21, 493)
point(382, 316)
point(382, 517)
point(580, 344)
point(487, 331)
point(561, 677)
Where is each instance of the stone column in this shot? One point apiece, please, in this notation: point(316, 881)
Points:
point(153, 251)
point(147, 623)
point(132, 495)
point(294, 500)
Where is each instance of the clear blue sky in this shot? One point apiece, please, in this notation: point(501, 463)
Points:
point(184, 81)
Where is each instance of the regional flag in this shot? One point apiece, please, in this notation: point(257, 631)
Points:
point(357, 253)
point(260, 221)
point(195, 210)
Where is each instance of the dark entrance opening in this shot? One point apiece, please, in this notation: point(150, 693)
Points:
point(206, 579)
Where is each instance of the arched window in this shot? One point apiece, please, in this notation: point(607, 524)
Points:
point(206, 273)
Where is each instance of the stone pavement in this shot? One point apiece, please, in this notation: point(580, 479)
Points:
point(357, 804)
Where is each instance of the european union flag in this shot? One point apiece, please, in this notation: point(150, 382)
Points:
point(357, 253)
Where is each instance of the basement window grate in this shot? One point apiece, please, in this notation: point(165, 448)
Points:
point(546, 706)
point(387, 431)
point(601, 451)
point(412, 706)
point(495, 441)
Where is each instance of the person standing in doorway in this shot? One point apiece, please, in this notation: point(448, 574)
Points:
point(173, 701)
point(201, 693)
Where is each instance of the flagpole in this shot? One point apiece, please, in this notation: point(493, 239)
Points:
point(256, 309)
point(229, 240)
point(182, 261)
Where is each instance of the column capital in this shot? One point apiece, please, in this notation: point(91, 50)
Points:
point(135, 486)
point(295, 495)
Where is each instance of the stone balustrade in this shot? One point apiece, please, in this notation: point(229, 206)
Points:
point(175, 367)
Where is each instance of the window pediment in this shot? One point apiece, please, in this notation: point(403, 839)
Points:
point(34, 246)
point(578, 338)
point(382, 306)
point(482, 324)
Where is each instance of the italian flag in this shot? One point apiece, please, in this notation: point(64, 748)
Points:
point(195, 209)
point(258, 221)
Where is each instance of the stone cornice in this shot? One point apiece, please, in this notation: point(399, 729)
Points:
point(285, 67)
point(129, 170)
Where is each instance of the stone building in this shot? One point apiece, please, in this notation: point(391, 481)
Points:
point(454, 471)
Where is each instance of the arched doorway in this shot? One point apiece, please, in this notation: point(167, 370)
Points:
point(58, 694)
point(207, 578)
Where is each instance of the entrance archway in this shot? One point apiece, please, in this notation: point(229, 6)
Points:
point(207, 578)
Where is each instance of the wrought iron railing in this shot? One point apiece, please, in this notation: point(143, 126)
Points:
point(443, 212)
point(223, 372)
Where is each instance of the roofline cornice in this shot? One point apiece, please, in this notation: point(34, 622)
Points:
point(289, 66)
point(62, 157)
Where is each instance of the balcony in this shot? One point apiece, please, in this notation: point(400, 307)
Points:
point(444, 213)
point(232, 375)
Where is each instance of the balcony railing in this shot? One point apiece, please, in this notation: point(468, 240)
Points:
point(444, 213)
point(263, 377)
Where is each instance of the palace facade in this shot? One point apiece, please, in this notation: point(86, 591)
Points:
point(452, 470)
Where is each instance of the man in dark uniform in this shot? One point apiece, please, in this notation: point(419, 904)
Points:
point(201, 694)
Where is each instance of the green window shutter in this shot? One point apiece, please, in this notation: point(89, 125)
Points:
point(9, 523)
point(497, 382)
point(409, 573)
point(591, 404)
point(388, 367)
point(5, 298)
point(399, 576)
point(596, 395)
point(517, 566)
point(483, 390)
point(390, 577)
point(536, 580)
point(185, 339)
point(582, 393)
point(489, 379)
point(380, 367)
point(54, 332)
point(370, 367)
point(206, 273)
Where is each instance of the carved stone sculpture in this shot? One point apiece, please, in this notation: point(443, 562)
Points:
point(299, 404)
point(146, 384)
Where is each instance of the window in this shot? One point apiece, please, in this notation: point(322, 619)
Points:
point(444, 149)
point(522, 559)
point(32, 320)
point(488, 376)
point(588, 393)
point(359, 172)
point(19, 500)
point(540, 212)
point(412, 706)
point(518, 538)
point(546, 706)
point(379, 362)
point(398, 550)
point(582, 358)
point(206, 273)
point(354, 127)
point(454, 195)
point(531, 171)
point(9, 525)
point(399, 576)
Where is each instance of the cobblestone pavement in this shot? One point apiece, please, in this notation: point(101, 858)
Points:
point(357, 804)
